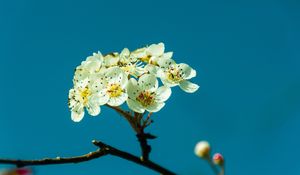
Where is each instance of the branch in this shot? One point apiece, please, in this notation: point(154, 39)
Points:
point(137, 160)
point(58, 160)
point(103, 150)
point(138, 127)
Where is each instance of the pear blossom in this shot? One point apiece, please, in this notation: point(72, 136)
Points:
point(111, 86)
point(91, 65)
point(145, 94)
point(111, 59)
point(83, 96)
point(128, 76)
point(172, 74)
point(152, 53)
point(129, 64)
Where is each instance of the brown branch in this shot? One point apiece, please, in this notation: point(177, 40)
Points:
point(145, 147)
point(103, 150)
point(138, 127)
point(130, 157)
point(147, 121)
point(58, 160)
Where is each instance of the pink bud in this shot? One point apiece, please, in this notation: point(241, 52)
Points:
point(218, 159)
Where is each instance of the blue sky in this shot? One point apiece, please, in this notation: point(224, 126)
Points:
point(246, 55)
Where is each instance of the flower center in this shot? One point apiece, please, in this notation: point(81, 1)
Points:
point(146, 98)
point(174, 75)
point(85, 93)
point(114, 90)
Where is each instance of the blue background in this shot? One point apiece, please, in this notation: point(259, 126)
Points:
point(247, 58)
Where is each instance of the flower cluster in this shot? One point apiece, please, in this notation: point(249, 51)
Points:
point(130, 77)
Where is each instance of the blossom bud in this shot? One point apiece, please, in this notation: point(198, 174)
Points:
point(218, 159)
point(202, 149)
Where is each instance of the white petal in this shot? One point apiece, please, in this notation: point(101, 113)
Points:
point(135, 106)
point(93, 63)
point(98, 57)
point(165, 63)
point(160, 73)
point(116, 75)
point(81, 83)
point(151, 68)
point(163, 93)
point(148, 82)
point(111, 59)
point(188, 86)
point(155, 107)
point(137, 71)
point(99, 99)
point(125, 53)
point(139, 53)
point(98, 84)
point(156, 49)
point(93, 109)
point(186, 70)
point(117, 101)
point(77, 113)
point(192, 75)
point(167, 55)
point(168, 83)
point(132, 88)
point(80, 74)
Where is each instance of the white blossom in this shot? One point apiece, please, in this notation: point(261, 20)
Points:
point(129, 64)
point(91, 65)
point(152, 53)
point(128, 76)
point(111, 86)
point(111, 60)
point(144, 94)
point(172, 74)
point(83, 96)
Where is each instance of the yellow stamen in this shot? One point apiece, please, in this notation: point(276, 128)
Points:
point(115, 90)
point(146, 98)
point(174, 75)
point(85, 93)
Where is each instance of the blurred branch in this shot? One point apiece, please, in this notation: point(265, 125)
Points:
point(103, 150)
point(213, 167)
point(222, 172)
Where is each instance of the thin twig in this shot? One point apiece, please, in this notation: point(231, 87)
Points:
point(146, 121)
point(126, 115)
point(222, 171)
point(103, 150)
point(58, 160)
